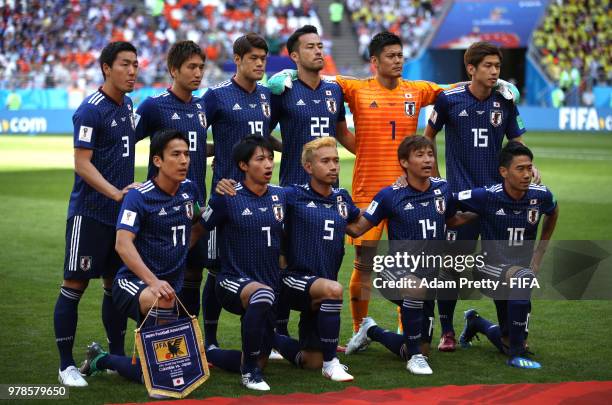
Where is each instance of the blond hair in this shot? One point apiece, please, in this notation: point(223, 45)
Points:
point(312, 146)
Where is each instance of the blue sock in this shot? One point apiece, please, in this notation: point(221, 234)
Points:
point(517, 323)
point(427, 327)
point(412, 319)
point(254, 325)
point(65, 317)
point(328, 323)
point(115, 324)
point(289, 348)
point(392, 341)
point(446, 311)
point(228, 360)
point(492, 331)
point(122, 365)
point(190, 296)
point(160, 316)
point(211, 310)
point(283, 311)
point(501, 307)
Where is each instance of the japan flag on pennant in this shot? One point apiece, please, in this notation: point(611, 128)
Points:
point(178, 381)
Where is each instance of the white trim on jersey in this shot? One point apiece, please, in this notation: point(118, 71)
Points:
point(212, 244)
point(222, 84)
point(128, 286)
point(455, 90)
point(146, 187)
point(74, 243)
point(96, 98)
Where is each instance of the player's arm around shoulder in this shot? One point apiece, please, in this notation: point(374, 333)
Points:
point(373, 215)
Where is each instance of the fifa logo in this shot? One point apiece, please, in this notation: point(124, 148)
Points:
point(170, 349)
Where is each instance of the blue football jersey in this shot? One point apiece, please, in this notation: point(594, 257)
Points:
point(413, 214)
point(315, 228)
point(509, 227)
point(108, 129)
point(474, 133)
point(233, 113)
point(304, 115)
point(250, 229)
point(166, 110)
point(162, 225)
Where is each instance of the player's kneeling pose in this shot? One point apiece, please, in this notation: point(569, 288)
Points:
point(315, 222)
point(510, 213)
point(417, 212)
point(153, 238)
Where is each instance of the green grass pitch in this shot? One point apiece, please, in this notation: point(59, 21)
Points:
point(570, 338)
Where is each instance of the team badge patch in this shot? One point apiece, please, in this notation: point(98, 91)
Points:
point(410, 108)
point(189, 209)
point(451, 236)
point(532, 215)
point(169, 349)
point(85, 263)
point(265, 107)
point(440, 203)
point(343, 209)
point(278, 212)
point(496, 118)
point(331, 105)
point(202, 118)
point(85, 133)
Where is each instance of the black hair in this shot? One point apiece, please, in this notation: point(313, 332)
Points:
point(412, 143)
point(478, 51)
point(512, 149)
point(160, 140)
point(293, 43)
point(244, 150)
point(110, 52)
point(381, 40)
point(246, 43)
point(181, 51)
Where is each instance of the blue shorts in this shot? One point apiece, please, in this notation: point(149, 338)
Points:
point(295, 292)
point(204, 253)
point(463, 239)
point(90, 250)
point(126, 295)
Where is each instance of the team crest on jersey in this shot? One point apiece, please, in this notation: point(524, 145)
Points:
point(331, 105)
point(532, 215)
point(85, 263)
point(451, 236)
point(202, 118)
point(496, 118)
point(133, 121)
point(278, 212)
point(343, 209)
point(265, 107)
point(189, 209)
point(440, 203)
point(410, 108)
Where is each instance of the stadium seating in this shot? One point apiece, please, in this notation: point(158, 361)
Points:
point(56, 43)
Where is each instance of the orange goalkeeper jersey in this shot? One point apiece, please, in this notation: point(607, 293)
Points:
point(382, 119)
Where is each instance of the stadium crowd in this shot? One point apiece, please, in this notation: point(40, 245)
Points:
point(45, 43)
point(573, 43)
point(410, 19)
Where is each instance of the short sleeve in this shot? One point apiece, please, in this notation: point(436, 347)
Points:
point(131, 212)
point(348, 86)
point(549, 203)
point(451, 205)
point(211, 107)
point(87, 126)
point(215, 213)
point(379, 207)
point(290, 195)
point(515, 126)
point(353, 210)
point(439, 114)
point(472, 200)
point(429, 91)
point(149, 119)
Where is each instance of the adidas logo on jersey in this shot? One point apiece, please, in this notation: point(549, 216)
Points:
point(236, 107)
point(500, 212)
point(373, 105)
point(463, 113)
point(300, 102)
point(162, 212)
point(114, 123)
point(247, 212)
point(311, 205)
point(175, 116)
point(409, 206)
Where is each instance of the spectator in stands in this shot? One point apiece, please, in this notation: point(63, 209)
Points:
point(336, 13)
